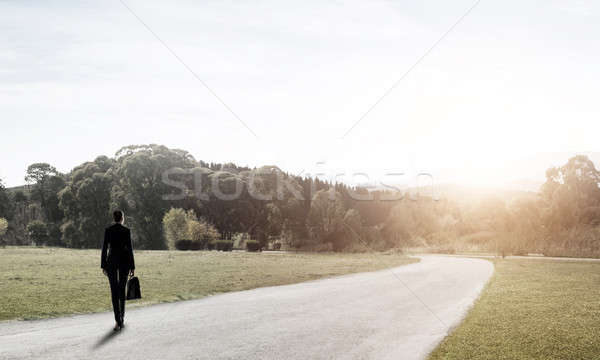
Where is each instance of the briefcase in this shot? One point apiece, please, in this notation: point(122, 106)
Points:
point(133, 289)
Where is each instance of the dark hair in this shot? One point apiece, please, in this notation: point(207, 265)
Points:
point(118, 215)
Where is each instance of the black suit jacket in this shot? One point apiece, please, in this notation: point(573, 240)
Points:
point(117, 251)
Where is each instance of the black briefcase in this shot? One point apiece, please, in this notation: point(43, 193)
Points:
point(133, 289)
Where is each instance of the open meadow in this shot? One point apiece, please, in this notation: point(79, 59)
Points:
point(49, 282)
point(532, 309)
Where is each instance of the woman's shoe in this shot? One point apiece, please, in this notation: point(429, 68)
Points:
point(117, 327)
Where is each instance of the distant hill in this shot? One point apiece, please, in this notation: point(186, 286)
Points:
point(525, 185)
point(466, 194)
point(26, 189)
point(463, 194)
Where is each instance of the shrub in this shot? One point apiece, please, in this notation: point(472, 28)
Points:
point(184, 228)
point(202, 232)
point(175, 227)
point(196, 245)
point(183, 244)
point(38, 232)
point(253, 245)
point(277, 246)
point(224, 245)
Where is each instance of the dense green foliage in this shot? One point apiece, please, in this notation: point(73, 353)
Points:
point(38, 232)
point(168, 196)
point(3, 228)
point(201, 232)
point(47, 182)
point(85, 201)
point(6, 209)
point(146, 181)
point(184, 231)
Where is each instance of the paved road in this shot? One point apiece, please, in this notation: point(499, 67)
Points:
point(391, 314)
point(518, 257)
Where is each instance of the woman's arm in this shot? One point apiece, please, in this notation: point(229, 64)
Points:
point(131, 260)
point(104, 250)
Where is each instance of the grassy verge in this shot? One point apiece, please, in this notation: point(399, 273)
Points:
point(532, 309)
point(48, 282)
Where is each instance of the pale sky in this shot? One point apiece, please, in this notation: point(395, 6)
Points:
point(514, 82)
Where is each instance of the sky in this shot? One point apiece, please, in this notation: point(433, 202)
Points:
point(511, 90)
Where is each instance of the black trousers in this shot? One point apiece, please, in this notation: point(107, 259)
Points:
point(117, 278)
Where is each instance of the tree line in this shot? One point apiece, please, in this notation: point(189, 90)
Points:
point(169, 196)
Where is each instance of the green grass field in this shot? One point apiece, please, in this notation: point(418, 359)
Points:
point(532, 309)
point(48, 282)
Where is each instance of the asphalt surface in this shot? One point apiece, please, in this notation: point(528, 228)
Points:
point(400, 313)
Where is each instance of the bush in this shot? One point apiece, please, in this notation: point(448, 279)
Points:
point(253, 245)
point(196, 245)
point(38, 232)
point(183, 244)
point(224, 245)
point(277, 246)
point(175, 227)
point(202, 232)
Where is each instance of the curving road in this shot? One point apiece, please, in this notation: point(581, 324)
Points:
point(400, 313)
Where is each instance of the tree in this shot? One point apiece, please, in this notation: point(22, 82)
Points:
point(93, 195)
point(6, 208)
point(85, 202)
point(570, 209)
point(139, 174)
point(20, 197)
point(175, 225)
point(325, 219)
point(37, 232)
point(572, 192)
point(201, 232)
point(47, 182)
point(274, 223)
point(179, 225)
point(3, 229)
point(71, 236)
point(579, 176)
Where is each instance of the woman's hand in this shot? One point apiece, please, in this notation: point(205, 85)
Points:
point(104, 272)
point(131, 272)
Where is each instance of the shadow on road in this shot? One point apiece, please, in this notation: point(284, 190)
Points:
point(111, 334)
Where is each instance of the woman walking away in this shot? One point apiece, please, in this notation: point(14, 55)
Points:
point(117, 262)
